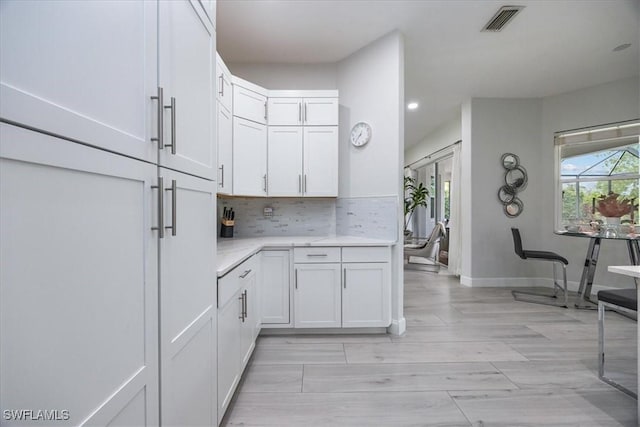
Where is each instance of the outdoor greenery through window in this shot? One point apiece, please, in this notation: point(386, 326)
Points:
point(598, 166)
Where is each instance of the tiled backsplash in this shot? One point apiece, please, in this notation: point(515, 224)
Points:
point(373, 217)
point(291, 217)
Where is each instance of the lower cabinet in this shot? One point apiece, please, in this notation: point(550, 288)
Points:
point(78, 282)
point(275, 289)
point(238, 326)
point(348, 287)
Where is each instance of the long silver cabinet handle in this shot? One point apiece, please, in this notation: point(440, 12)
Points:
point(296, 278)
point(160, 98)
point(265, 111)
point(246, 272)
point(221, 184)
point(160, 226)
point(299, 112)
point(299, 183)
point(305, 113)
point(174, 207)
point(172, 106)
point(305, 183)
point(221, 91)
point(265, 182)
point(246, 298)
point(317, 255)
point(344, 278)
point(241, 298)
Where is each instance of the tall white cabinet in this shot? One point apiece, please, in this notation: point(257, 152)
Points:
point(107, 255)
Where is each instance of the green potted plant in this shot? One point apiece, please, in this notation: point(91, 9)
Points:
point(415, 194)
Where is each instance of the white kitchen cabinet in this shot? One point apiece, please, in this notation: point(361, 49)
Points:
point(229, 344)
point(224, 91)
point(320, 161)
point(249, 158)
point(317, 295)
point(275, 290)
point(249, 101)
point(366, 295)
point(302, 161)
point(238, 326)
point(284, 161)
point(78, 281)
point(83, 70)
point(225, 150)
point(308, 111)
point(186, 40)
point(188, 317)
point(209, 7)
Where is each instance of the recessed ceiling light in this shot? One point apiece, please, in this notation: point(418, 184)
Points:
point(412, 105)
point(621, 47)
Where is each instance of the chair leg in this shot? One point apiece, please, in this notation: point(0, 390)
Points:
point(601, 375)
point(600, 340)
point(551, 299)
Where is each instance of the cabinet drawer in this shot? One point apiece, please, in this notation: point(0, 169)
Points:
point(316, 255)
point(229, 284)
point(367, 254)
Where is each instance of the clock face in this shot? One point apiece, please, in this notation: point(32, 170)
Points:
point(360, 134)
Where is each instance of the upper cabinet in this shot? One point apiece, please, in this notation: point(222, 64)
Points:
point(249, 101)
point(224, 92)
point(85, 71)
point(308, 111)
point(249, 158)
point(186, 73)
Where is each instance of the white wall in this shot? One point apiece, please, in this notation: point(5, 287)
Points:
point(371, 85)
point(288, 76)
point(369, 82)
point(607, 103)
point(444, 135)
point(499, 126)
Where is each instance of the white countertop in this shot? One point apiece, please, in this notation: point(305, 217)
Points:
point(627, 270)
point(232, 252)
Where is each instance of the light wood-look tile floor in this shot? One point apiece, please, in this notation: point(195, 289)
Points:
point(470, 357)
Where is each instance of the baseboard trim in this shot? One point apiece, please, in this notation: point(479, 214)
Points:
point(523, 282)
point(398, 326)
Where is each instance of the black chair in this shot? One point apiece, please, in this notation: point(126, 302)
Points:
point(542, 256)
point(622, 300)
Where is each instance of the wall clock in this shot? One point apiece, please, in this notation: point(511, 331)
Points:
point(360, 134)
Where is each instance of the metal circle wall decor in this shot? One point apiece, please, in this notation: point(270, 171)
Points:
point(515, 180)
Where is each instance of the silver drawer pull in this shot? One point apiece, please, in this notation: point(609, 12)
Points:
point(317, 255)
point(246, 272)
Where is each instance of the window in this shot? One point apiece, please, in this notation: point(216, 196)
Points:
point(593, 163)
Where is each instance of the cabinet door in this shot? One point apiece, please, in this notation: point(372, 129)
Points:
point(251, 319)
point(225, 151)
point(186, 72)
point(366, 295)
point(82, 70)
point(229, 354)
point(249, 158)
point(317, 295)
point(78, 281)
point(284, 158)
point(320, 111)
point(284, 111)
point(249, 105)
point(275, 278)
point(188, 301)
point(321, 161)
point(224, 92)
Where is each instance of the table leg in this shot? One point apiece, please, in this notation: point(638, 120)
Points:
point(588, 272)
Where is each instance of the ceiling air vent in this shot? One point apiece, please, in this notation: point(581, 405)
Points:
point(502, 18)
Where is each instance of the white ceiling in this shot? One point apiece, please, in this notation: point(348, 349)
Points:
point(552, 46)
